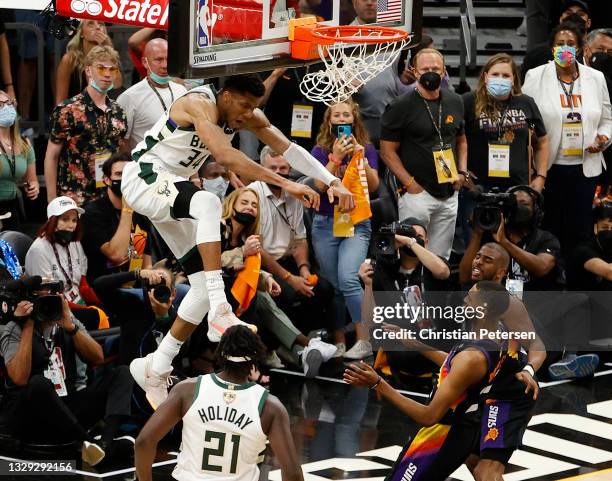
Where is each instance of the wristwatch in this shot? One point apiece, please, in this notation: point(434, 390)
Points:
point(74, 331)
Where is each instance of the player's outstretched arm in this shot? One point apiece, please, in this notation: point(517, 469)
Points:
point(300, 159)
point(167, 415)
point(469, 367)
point(276, 420)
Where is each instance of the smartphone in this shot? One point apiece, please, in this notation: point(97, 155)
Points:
point(344, 129)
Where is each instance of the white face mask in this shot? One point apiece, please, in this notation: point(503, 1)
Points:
point(216, 186)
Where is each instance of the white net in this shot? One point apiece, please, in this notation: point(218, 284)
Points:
point(349, 64)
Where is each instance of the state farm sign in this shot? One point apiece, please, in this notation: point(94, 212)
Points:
point(143, 13)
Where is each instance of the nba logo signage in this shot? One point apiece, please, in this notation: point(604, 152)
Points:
point(206, 21)
point(143, 13)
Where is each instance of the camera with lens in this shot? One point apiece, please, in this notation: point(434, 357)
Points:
point(161, 292)
point(384, 240)
point(58, 26)
point(45, 297)
point(490, 207)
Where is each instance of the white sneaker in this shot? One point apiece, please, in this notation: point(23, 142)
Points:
point(340, 349)
point(91, 453)
point(154, 386)
point(273, 361)
point(360, 350)
point(327, 350)
point(222, 319)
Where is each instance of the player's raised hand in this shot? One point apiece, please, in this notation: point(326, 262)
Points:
point(346, 201)
point(305, 194)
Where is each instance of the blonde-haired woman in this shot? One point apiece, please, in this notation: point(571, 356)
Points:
point(498, 117)
point(340, 257)
point(71, 79)
point(17, 162)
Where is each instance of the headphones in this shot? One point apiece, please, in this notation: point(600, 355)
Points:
point(537, 199)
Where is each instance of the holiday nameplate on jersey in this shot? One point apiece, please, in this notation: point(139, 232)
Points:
point(571, 139)
point(100, 158)
point(343, 225)
point(56, 372)
point(499, 159)
point(301, 121)
point(446, 169)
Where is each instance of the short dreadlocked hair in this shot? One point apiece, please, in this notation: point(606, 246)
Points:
point(240, 341)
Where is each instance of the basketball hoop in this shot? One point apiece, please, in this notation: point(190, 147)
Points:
point(352, 55)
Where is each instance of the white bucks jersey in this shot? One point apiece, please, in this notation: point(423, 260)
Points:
point(175, 149)
point(222, 434)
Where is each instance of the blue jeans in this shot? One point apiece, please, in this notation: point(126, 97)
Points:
point(339, 261)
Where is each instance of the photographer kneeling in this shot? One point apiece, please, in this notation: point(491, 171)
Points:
point(402, 264)
point(44, 402)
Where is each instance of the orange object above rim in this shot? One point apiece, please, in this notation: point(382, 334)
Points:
point(357, 34)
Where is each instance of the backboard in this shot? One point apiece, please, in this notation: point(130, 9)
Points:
point(209, 38)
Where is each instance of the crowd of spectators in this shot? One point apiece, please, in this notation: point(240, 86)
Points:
point(424, 156)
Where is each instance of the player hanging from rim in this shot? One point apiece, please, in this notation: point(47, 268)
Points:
point(226, 420)
point(199, 124)
point(452, 418)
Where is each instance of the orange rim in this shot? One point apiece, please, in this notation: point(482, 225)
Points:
point(357, 34)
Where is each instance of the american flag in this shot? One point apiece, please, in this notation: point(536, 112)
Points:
point(388, 10)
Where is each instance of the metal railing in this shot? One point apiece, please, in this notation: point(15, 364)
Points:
point(468, 49)
point(37, 125)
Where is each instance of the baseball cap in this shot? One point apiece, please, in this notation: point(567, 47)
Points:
point(577, 3)
point(414, 221)
point(62, 204)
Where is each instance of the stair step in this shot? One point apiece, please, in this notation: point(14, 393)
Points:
point(498, 12)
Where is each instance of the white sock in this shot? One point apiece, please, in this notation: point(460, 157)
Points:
point(165, 353)
point(216, 290)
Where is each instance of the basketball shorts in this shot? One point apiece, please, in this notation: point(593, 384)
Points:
point(435, 452)
point(502, 426)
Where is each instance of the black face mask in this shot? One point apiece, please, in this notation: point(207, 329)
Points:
point(576, 20)
point(604, 238)
point(64, 237)
point(244, 218)
point(522, 217)
point(408, 251)
point(430, 80)
point(602, 62)
point(276, 187)
point(116, 187)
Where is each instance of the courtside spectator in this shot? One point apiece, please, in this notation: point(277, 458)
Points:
point(115, 238)
point(241, 262)
point(147, 101)
point(423, 143)
point(285, 247)
point(17, 163)
point(341, 247)
point(44, 402)
point(71, 76)
point(567, 90)
point(85, 131)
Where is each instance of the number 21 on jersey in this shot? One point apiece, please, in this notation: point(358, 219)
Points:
point(219, 451)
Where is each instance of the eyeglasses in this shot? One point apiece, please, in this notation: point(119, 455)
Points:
point(3, 103)
point(102, 69)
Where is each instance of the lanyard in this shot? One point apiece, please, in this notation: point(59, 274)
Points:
point(59, 263)
point(104, 132)
point(10, 158)
point(159, 96)
point(437, 126)
point(568, 95)
point(284, 216)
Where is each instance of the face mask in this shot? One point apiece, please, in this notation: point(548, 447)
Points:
point(64, 237)
point(602, 62)
point(522, 216)
point(100, 89)
point(408, 251)
point(430, 80)
point(244, 218)
point(605, 241)
point(115, 187)
point(498, 87)
point(575, 18)
point(8, 114)
point(216, 186)
point(564, 55)
point(158, 79)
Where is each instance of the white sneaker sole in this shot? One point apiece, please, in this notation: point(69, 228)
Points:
point(138, 374)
